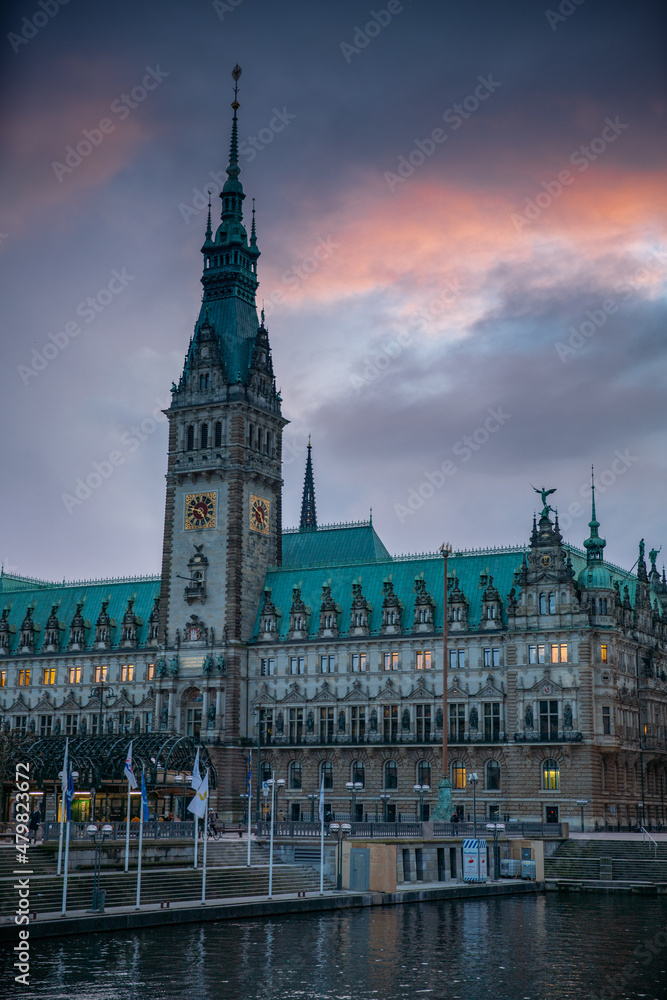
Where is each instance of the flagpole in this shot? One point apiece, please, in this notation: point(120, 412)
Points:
point(248, 801)
point(273, 798)
point(196, 782)
point(196, 837)
point(322, 839)
point(62, 809)
point(141, 838)
point(64, 906)
point(127, 830)
point(203, 874)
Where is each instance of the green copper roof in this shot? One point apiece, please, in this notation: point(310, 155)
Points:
point(67, 595)
point(331, 544)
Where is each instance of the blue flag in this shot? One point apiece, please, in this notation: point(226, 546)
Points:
point(144, 797)
point(69, 795)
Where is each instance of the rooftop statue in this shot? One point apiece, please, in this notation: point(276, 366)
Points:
point(544, 494)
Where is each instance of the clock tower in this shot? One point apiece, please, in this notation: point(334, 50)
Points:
point(223, 506)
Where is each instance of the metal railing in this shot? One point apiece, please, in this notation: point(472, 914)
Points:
point(153, 830)
point(646, 834)
point(465, 829)
point(298, 829)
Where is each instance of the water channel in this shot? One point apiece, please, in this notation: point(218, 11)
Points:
point(547, 947)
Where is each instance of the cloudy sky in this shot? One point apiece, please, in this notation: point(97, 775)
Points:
point(485, 184)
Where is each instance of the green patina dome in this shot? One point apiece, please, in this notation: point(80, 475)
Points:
point(595, 575)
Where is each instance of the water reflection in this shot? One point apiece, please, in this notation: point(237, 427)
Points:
point(538, 948)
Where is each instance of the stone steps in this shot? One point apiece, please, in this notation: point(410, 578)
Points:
point(608, 860)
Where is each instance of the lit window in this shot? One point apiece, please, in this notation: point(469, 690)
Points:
point(550, 776)
point(536, 653)
point(603, 653)
point(391, 661)
point(127, 672)
point(101, 675)
point(48, 675)
point(268, 666)
point(457, 658)
point(559, 652)
point(150, 672)
point(3, 678)
point(458, 774)
point(327, 664)
point(424, 660)
point(358, 662)
point(492, 657)
point(24, 678)
point(74, 675)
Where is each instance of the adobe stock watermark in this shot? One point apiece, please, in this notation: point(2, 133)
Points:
point(122, 107)
point(624, 981)
point(454, 116)
point(295, 276)
point(222, 7)
point(580, 158)
point(31, 26)
point(363, 37)
point(103, 470)
point(464, 449)
point(565, 10)
point(375, 365)
point(88, 311)
point(596, 318)
point(619, 465)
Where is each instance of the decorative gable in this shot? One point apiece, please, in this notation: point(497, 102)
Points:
point(424, 607)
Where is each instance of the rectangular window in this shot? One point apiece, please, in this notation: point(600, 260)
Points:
point(150, 674)
point(24, 678)
point(492, 721)
point(457, 659)
point(297, 665)
point(390, 661)
point(45, 725)
point(603, 653)
point(423, 723)
point(424, 660)
point(492, 657)
point(457, 722)
point(548, 720)
point(127, 672)
point(327, 724)
point(327, 664)
point(193, 723)
point(295, 725)
point(358, 662)
point(606, 720)
point(536, 653)
point(94, 725)
point(74, 675)
point(148, 722)
point(559, 652)
point(48, 675)
point(358, 722)
point(552, 604)
point(268, 666)
point(265, 725)
point(71, 725)
point(21, 722)
point(101, 675)
point(390, 719)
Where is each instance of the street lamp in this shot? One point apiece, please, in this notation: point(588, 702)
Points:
point(312, 798)
point(473, 779)
point(272, 783)
point(421, 791)
point(256, 713)
point(384, 799)
point(353, 787)
point(98, 837)
point(496, 829)
point(110, 694)
point(340, 831)
point(581, 803)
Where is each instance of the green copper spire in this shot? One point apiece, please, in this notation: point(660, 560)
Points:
point(308, 513)
point(594, 545)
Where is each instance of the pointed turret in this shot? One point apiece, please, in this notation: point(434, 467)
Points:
point(594, 545)
point(308, 513)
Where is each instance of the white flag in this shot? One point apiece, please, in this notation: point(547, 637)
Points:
point(199, 802)
point(321, 806)
point(129, 773)
point(196, 775)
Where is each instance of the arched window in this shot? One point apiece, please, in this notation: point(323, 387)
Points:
point(190, 438)
point(326, 774)
point(458, 774)
point(390, 774)
point(552, 604)
point(265, 771)
point(268, 443)
point(492, 775)
point(550, 776)
point(543, 604)
point(250, 436)
point(218, 434)
point(423, 773)
point(359, 772)
point(203, 382)
point(295, 773)
point(204, 436)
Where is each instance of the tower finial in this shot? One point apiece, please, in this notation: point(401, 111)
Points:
point(209, 231)
point(594, 545)
point(308, 512)
point(253, 233)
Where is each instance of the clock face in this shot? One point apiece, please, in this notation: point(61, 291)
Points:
point(199, 511)
point(259, 514)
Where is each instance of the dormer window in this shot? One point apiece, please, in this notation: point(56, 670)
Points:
point(203, 381)
point(490, 613)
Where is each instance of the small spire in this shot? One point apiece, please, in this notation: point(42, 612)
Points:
point(308, 511)
point(594, 545)
point(209, 231)
point(253, 233)
point(370, 520)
